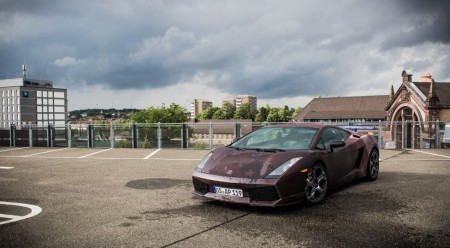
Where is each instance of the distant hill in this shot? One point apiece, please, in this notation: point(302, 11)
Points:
point(97, 113)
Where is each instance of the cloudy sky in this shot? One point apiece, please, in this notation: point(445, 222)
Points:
point(141, 53)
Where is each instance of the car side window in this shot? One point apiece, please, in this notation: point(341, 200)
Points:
point(320, 145)
point(329, 135)
point(345, 134)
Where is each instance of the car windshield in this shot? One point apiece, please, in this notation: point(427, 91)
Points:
point(277, 139)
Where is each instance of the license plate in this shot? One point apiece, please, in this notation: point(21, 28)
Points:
point(228, 191)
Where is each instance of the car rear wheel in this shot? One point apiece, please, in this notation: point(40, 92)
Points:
point(373, 165)
point(316, 184)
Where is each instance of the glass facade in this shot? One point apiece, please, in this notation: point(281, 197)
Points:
point(48, 105)
point(9, 106)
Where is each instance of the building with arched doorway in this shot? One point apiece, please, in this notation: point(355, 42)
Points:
point(409, 114)
point(414, 109)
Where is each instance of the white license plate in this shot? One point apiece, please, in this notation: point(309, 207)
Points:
point(228, 191)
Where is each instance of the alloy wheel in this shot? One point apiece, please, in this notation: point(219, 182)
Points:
point(316, 184)
point(374, 165)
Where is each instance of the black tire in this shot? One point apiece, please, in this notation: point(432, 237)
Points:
point(316, 184)
point(373, 165)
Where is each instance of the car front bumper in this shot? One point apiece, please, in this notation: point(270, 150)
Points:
point(256, 192)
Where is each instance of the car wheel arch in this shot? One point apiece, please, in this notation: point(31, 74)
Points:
point(320, 162)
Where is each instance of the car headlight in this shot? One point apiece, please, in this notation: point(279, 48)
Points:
point(284, 167)
point(203, 162)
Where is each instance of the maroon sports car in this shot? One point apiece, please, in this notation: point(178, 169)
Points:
point(285, 164)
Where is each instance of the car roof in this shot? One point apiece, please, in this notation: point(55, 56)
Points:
point(308, 125)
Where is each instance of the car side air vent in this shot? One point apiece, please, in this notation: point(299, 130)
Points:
point(200, 186)
point(263, 194)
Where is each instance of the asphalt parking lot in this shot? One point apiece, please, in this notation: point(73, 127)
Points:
point(142, 198)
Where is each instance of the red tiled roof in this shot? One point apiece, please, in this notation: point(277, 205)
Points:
point(442, 90)
point(353, 107)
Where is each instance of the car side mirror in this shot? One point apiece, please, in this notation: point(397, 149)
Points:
point(335, 144)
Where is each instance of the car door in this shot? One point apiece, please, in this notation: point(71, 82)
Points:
point(342, 163)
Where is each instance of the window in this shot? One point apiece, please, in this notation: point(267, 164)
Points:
point(59, 94)
point(59, 109)
point(59, 117)
point(345, 134)
point(59, 101)
point(330, 134)
point(60, 123)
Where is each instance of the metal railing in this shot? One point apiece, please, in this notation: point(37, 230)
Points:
point(390, 135)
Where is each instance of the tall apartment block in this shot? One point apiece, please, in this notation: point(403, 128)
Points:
point(231, 101)
point(26, 101)
point(241, 99)
point(198, 105)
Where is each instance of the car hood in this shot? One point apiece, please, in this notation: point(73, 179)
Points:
point(248, 163)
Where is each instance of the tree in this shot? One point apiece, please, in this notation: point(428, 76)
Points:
point(218, 115)
point(261, 116)
point(173, 114)
point(244, 112)
point(284, 115)
point(208, 113)
point(228, 110)
point(279, 114)
point(296, 111)
point(272, 116)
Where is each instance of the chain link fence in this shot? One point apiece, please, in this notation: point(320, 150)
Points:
point(390, 135)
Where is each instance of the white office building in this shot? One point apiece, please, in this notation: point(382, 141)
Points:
point(26, 101)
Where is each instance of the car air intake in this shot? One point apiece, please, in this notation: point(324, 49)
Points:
point(200, 186)
point(263, 194)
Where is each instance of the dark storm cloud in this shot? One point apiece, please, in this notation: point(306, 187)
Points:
point(422, 21)
point(269, 49)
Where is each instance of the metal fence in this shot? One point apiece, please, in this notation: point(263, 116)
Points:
point(390, 135)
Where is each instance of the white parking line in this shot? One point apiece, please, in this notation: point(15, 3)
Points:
point(14, 149)
point(152, 154)
point(44, 152)
point(429, 153)
point(85, 156)
point(35, 210)
point(6, 168)
point(167, 159)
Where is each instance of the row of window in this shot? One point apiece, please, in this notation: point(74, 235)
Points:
point(46, 117)
point(45, 101)
point(10, 101)
point(10, 93)
point(10, 109)
point(51, 109)
point(10, 118)
point(39, 93)
point(50, 94)
point(46, 123)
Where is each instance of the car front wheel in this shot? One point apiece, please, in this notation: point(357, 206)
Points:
point(316, 184)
